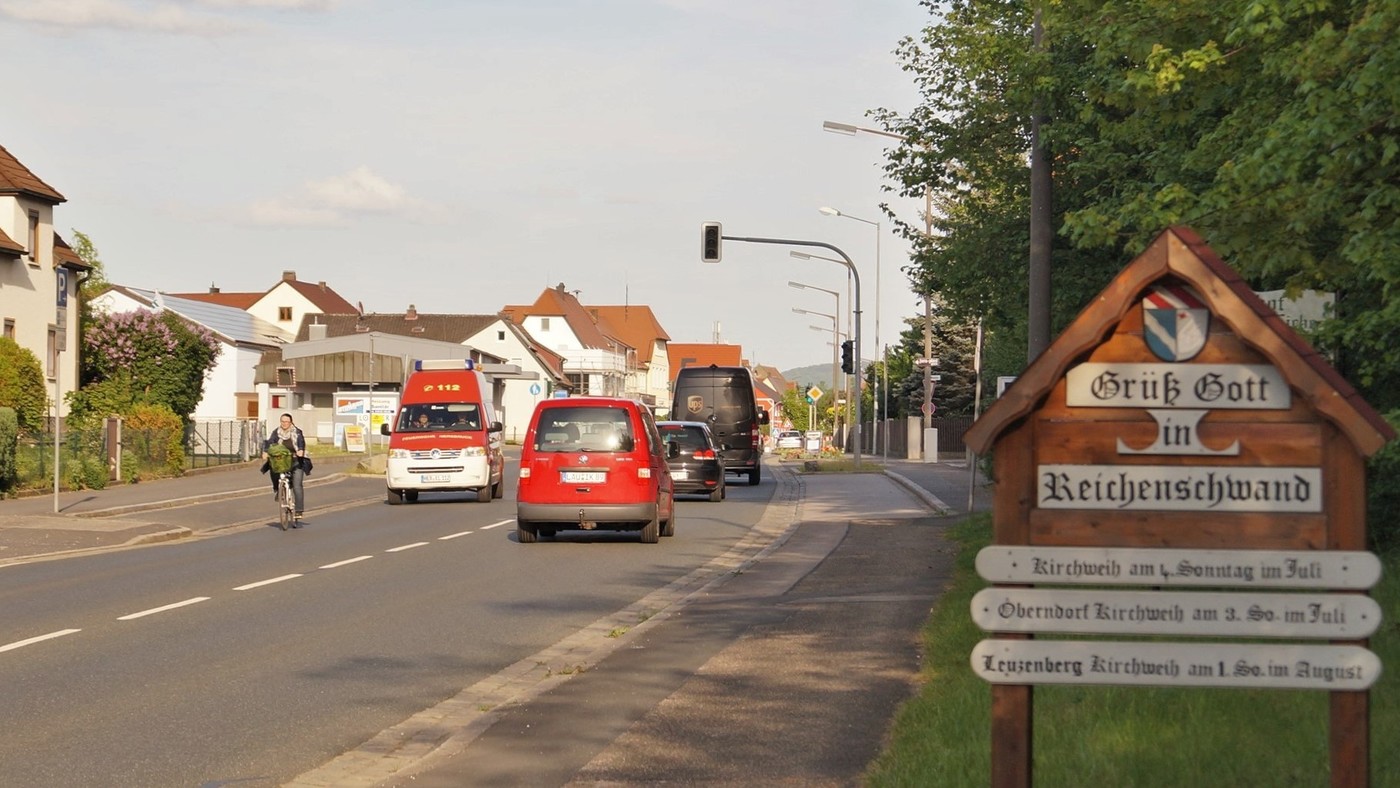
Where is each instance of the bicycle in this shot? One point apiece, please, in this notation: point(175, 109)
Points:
point(286, 503)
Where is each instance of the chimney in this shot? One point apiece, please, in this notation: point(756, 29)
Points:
point(212, 288)
point(412, 313)
point(323, 287)
point(289, 276)
point(559, 287)
point(316, 331)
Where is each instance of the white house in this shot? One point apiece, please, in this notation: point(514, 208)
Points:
point(594, 362)
point(229, 390)
point(539, 373)
point(39, 277)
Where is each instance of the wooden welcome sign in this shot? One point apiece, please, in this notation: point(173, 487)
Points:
point(1179, 437)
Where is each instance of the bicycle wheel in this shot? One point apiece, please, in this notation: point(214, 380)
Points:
point(284, 504)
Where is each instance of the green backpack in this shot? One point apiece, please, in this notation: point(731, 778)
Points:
point(280, 458)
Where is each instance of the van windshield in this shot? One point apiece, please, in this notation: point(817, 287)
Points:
point(584, 429)
point(440, 417)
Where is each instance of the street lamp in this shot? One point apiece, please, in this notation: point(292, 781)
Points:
point(884, 387)
point(834, 332)
point(835, 342)
point(846, 383)
point(850, 130)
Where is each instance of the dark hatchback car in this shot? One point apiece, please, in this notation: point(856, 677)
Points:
point(698, 467)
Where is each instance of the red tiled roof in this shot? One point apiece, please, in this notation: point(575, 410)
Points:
point(559, 302)
point(634, 324)
point(440, 327)
point(320, 294)
point(8, 245)
point(15, 178)
point(64, 255)
point(236, 300)
point(703, 355)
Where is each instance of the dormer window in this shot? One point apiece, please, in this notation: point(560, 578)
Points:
point(284, 313)
point(34, 237)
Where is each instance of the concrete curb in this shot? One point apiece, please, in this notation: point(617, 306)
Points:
point(930, 500)
point(172, 503)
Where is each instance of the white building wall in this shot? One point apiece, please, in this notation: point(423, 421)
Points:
point(269, 307)
point(29, 295)
point(517, 403)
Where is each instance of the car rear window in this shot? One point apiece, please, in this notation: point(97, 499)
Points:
point(584, 429)
point(687, 437)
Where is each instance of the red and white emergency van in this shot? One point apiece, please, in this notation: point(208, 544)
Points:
point(447, 435)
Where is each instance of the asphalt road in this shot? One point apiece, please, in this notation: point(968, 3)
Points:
point(254, 656)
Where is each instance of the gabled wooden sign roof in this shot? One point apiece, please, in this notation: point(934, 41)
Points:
point(1181, 253)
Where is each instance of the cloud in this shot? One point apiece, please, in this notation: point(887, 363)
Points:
point(145, 16)
point(335, 201)
point(118, 15)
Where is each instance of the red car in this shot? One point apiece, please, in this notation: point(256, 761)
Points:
point(594, 463)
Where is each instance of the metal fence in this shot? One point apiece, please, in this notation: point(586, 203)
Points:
point(950, 436)
point(91, 458)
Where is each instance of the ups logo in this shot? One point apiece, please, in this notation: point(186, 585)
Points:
point(695, 403)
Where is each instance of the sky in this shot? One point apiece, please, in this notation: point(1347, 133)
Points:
point(463, 156)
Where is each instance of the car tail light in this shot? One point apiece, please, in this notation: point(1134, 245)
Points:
point(704, 454)
point(757, 438)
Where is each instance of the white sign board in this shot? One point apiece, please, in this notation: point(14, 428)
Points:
point(1115, 612)
point(1147, 566)
point(1208, 386)
point(1276, 666)
point(1178, 488)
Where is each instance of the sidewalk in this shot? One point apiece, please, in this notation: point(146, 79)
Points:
point(87, 520)
point(783, 665)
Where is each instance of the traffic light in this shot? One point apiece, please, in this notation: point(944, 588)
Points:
point(710, 234)
point(848, 364)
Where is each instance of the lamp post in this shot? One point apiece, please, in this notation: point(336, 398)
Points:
point(850, 130)
point(835, 366)
point(845, 382)
point(711, 234)
point(880, 436)
point(833, 348)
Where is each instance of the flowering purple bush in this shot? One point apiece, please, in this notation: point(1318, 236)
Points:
point(154, 357)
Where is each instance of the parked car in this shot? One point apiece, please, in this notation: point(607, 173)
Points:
point(594, 463)
point(789, 439)
point(698, 467)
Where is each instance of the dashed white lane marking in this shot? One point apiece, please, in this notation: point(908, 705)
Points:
point(347, 561)
point(496, 525)
point(163, 608)
point(405, 547)
point(31, 641)
point(454, 536)
point(267, 582)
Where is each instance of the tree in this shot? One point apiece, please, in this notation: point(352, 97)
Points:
point(22, 384)
point(143, 357)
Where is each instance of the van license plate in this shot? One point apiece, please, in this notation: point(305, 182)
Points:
point(435, 478)
point(583, 477)
point(678, 474)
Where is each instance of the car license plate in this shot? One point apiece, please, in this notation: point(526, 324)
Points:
point(435, 478)
point(678, 474)
point(583, 477)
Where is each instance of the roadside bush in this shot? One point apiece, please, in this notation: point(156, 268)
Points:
point(22, 384)
point(155, 435)
point(9, 444)
point(84, 463)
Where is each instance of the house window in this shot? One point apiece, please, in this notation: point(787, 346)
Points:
point(9, 328)
point(33, 236)
point(52, 366)
point(500, 336)
point(284, 313)
point(544, 324)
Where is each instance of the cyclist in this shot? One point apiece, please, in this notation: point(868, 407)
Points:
point(289, 434)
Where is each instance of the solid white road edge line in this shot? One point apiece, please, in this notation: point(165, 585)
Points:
point(347, 561)
point(266, 582)
point(405, 547)
point(163, 608)
point(31, 641)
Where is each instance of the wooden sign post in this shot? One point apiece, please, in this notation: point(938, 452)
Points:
point(1179, 435)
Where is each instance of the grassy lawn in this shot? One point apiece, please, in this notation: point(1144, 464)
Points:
point(1122, 736)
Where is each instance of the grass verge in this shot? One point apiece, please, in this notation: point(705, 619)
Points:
point(1109, 736)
